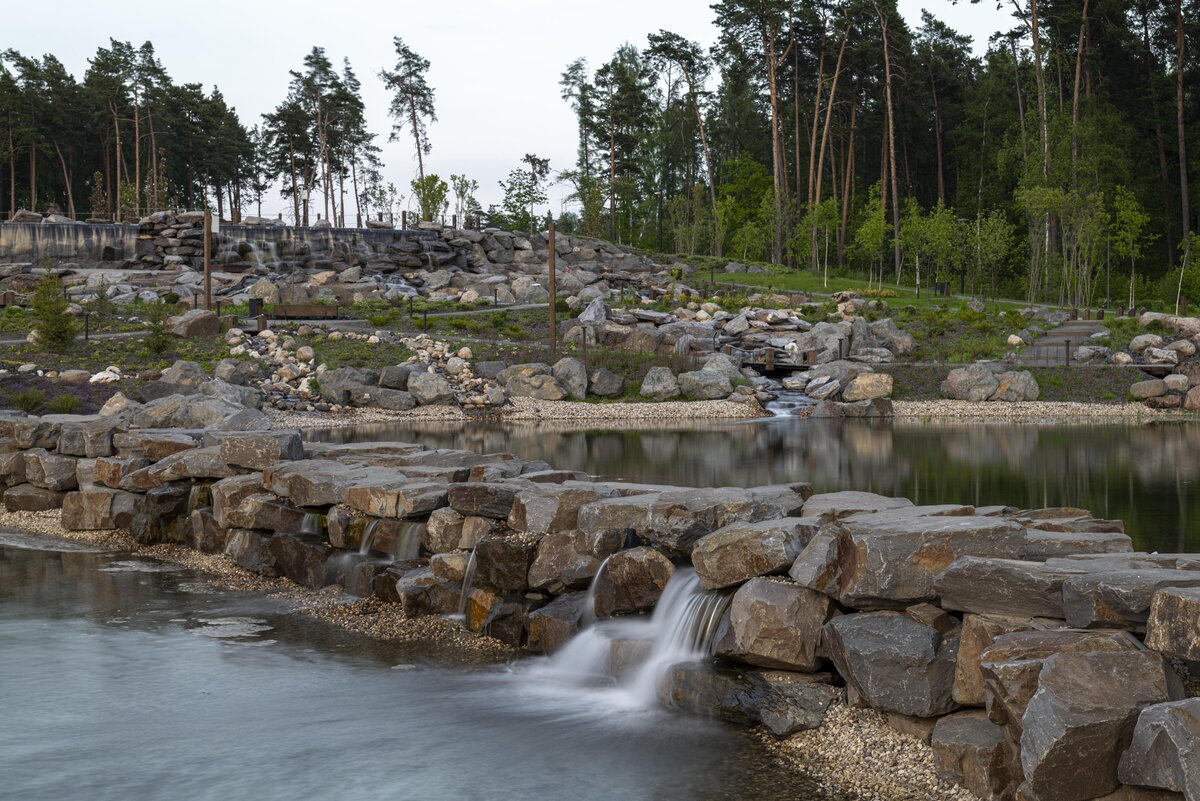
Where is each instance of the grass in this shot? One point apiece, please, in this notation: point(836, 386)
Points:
point(355, 352)
point(958, 335)
point(129, 354)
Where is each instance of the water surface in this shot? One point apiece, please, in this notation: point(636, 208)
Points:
point(1142, 474)
point(125, 680)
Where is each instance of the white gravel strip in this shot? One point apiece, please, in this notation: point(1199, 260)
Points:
point(1031, 411)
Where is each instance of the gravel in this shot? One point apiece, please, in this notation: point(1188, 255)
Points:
point(855, 753)
point(1030, 410)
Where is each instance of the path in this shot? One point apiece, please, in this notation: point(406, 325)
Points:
point(1056, 347)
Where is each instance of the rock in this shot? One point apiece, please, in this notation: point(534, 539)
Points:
point(971, 751)
point(827, 506)
point(890, 559)
point(704, 385)
point(98, 509)
point(1119, 598)
point(162, 517)
point(429, 389)
point(606, 384)
point(1012, 663)
point(1151, 388)
point(503, 562)
point(973, 383)
point(868, 386)
point(774, 624)
point(396, 497)
point(236, 372)
point(228, 494)
point(302, 559)
point(50, 470)
point(1173, 627)
point(395, 376)
point(251, 550)
point(660, 384)
point(28, 498)
point(382, 398)
point(741, 551)
point(567, 560)
point(595, 314)
point(185, 373)
point(74, 377)
point(1142, 342)
point(572, 376)
point(978, 633)
point(546, 508)
point(541, 387)
point(720, 363)
point(1015, 387)
point(784, 703)
point(1165, 749)
point(1160, 356)
point(257, 451)
point(679, 517)
point(1002, 587)
point(194, 323)
point(484, 499)
point(555, 623)
point(894, 662)
point(632, 581)
point(1082, 717)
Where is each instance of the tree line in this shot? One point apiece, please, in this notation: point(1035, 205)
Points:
point(834, 135)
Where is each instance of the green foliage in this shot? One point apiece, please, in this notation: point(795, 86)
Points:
point(431, 194)
point(28, 400)
point(56, 329)
point(64, 404)
point(157, 340)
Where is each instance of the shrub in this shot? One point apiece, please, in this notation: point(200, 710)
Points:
point(158, 341)
point(28, 400)
point(64, 404)
point(56, 329)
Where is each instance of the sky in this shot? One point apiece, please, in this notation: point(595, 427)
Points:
point(494, 68)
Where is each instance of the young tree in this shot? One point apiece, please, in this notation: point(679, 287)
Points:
point(465, 204)
point(521, 194)
point(412, 100)
point(55, 329)
point(1128, 232)
point(431, 194)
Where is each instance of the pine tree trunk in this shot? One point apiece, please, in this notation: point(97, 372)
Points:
point(1185, 211)
point(937, 136)
point(1075, 96)
point(848, 181)
point(891, 128)
point(66, 181)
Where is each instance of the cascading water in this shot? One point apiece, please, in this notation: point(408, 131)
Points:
point(199, 496)
point(368, 537)
point(588, 614)
point(788, 402)
point(312, 523)
point(683, 628)
point(405, 545)
point(468, 581)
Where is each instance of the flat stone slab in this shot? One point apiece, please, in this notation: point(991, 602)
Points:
point(1119, 598)
point(742, 551)
point(784, 703)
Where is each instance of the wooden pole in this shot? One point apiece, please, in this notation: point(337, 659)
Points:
point(553, 288)
point(208, 258)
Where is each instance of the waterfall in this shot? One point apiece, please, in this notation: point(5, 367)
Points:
point(468, 580)
point(787, 402)
point(682, 628)
point(77, 242)
point(405, 545)
point(199, 496)
point(587, 615)
point(313, 523)
point(368, 537)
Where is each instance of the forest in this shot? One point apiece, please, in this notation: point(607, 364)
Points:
point(833, 136)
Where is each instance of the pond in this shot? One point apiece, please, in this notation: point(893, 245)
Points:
point(125, 678)
point(1142, 474)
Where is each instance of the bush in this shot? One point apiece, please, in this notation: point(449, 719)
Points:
point(64, 404)
point(56, 329)
point(158, 341)
point(28, 400)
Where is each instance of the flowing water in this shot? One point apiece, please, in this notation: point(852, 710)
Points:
point(125, 679)
point(1145, 475)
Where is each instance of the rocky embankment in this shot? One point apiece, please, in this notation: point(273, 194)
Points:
point(1032, 649)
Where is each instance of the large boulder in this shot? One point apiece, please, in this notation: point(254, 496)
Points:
point(827, 506)
point(775, 624)
point(680, 517)
point(784, 703)
point(503, 561)
point(99, 508)
point(185, 373)
point(976, 383)
point(259, 450)
point(971, 751)
point(1016, 386)
point(538, 386)
point(1165, 749)
point(572, 376)
point(741, 551)
point(194, 323)
point(705, 385)
point(544, 508)
point(632, 581)
point(659, 384)
point(891, 559)
point(28, 498)
point(605, 383)
point(568, 560)
point(979, 632)
point(1173, 627)
point(1119, 598)
point(1082, 718)
point(1012, 663)
point(555, 623)
point(895, 662)
point(302, 558)
point(429, 389)
point(1003, 587)
point(868, 386)
point(50, 470)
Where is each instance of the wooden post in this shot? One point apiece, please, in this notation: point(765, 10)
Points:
point(553, 288)
point(769, 361)
point(454, 221)
point(404, 220)
point(208, 258)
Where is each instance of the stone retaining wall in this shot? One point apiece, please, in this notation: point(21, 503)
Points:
point(1040, 656)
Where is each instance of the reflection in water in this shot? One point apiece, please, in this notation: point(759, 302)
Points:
point(131, 685)
point(1142, 474)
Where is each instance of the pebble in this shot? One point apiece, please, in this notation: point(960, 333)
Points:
point(1028, 410)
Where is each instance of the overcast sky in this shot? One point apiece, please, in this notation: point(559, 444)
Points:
point(495, 65)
